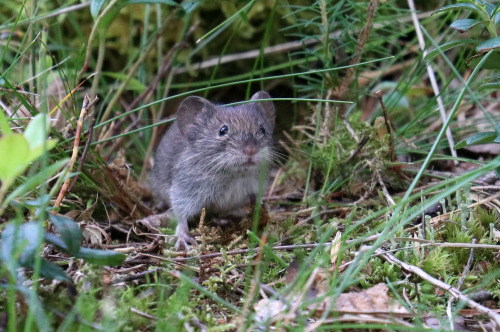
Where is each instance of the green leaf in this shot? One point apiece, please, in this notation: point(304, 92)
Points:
point(466, 6)
point(101, 257)
point(37, 130)
point(38, 151)
point(42, 200)
point(479, 138)
point(244, 18)
point(190, 6)
point(4, 124)
point(35, 180)
point(448, 46)
point(93, 256)
point(70, 232)
point(464, 24)
point(132, 84)
point(490, 9)
point(25, 240)
point(55, 240)
point(14, 152)
point(497, 172)
point(493, 61)
point(488, 45)
point(489, 86)
point(51, 271)
point(95, 7)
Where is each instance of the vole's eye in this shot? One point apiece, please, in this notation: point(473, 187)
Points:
point(262, 130)
point(223, 130)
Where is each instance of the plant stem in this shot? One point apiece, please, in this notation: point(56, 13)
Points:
point(11, 318)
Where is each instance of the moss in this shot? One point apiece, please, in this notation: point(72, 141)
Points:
point(437, 263)
point(341, 157)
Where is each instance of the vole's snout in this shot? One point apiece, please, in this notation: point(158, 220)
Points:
point(250, 147)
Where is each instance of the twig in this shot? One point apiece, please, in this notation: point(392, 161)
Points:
point(84, 154)
point(286, 247)
point(449, 244)
point(281, 48)
point(344, 86)
point(460, 282)
point(142, 314)
point(135, 276)
point(467, 267)
point(351, 131)
point(86, 105)
point(387, 123)
point(314, 245)
point(275, 181)
point(494, 317)
point(432, 78)
point(384, 189)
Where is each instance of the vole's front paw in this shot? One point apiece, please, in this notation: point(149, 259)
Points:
point(183, 242)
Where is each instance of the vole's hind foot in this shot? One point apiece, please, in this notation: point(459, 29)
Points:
point(183, 242)
point(183, 237)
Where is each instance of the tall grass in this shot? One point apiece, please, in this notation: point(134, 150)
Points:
point(142, 58)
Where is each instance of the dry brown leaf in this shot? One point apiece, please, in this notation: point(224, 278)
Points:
point(374, 299)
point(267, 309)
point(95, 235)
point(86, 215)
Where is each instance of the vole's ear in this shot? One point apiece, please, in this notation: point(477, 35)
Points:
point(190, 109)
point(267, 107)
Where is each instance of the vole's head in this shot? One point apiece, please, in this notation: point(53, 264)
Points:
point(228, 137)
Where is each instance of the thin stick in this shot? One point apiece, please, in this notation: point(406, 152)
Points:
point(387, 123)
point(275, 181)
point(363, 36)
point(84, 154)
point(494, 317)
point(460, 282)
point(86, 105)
point(432, 78)
point(314, 245)
point(280, 48)
point(384, 189)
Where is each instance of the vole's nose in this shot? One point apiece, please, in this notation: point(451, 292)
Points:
point(250, 147)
